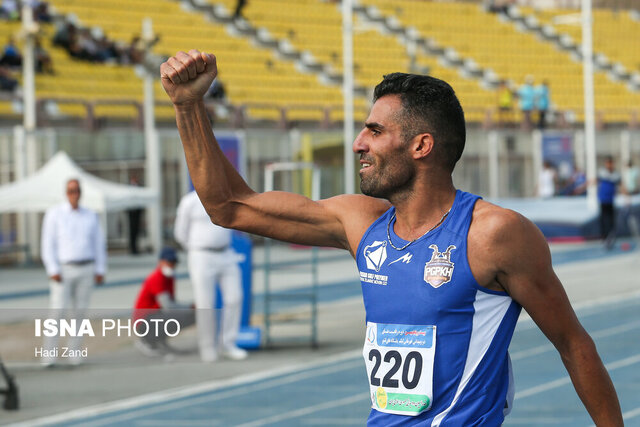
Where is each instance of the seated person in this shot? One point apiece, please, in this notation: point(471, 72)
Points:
point(11, 56)
point(7, 82)
point(156, 300)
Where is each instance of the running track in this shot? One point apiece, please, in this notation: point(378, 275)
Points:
point(335, 392)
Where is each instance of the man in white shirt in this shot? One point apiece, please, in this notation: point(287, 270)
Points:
point(547, 181)
point(73, 251)
point(211, 260)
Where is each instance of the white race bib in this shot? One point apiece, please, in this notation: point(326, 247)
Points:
point(399, 360)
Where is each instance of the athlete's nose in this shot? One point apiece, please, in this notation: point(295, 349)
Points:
point(359, 144)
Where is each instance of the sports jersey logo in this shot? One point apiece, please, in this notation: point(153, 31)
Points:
point(439, 269)
point(375, 254)
point(406, 258)
point(371, 334)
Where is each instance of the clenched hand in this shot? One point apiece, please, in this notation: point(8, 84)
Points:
point(186, 77)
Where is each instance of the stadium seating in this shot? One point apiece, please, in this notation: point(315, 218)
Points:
point(316, 26)
point(512, 54)
point(257, 77)
point(612, 33)
point(79, 80)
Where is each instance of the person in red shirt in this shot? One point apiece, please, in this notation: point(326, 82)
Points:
point(156, 302)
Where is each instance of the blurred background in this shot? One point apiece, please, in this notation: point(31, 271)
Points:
point(280, 88)
point(550, 89)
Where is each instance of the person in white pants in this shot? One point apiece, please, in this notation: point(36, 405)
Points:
point(211, 260)
point(74, 253)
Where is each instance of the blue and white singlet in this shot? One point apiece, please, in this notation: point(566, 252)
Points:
point(436, 341)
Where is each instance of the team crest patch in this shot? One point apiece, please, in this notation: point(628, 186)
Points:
point(439, 269)
point(375, 254)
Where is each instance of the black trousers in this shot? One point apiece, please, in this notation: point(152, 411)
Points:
point(134, 229)
point(607, 219)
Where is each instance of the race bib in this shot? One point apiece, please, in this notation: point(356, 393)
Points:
point(399, 360)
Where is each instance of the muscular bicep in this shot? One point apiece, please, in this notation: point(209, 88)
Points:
point(336, 222)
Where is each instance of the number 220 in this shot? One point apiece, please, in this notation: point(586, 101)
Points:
point(388, 380)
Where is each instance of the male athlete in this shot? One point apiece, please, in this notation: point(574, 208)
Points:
point(444, 274)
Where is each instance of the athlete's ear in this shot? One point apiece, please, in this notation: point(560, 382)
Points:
point(422, 145)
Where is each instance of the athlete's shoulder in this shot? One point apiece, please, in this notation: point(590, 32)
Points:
point(356, 213)
point(503, 241)
point(357, 206)
point(496, 225)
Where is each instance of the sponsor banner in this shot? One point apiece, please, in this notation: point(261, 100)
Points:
point(390, 335)
point(403, 402)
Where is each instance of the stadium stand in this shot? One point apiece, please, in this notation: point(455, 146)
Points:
point(612, 31)
point(269, 85)
point(79, 82)
point(251, 74)
point(513, 54)
point(316, 26)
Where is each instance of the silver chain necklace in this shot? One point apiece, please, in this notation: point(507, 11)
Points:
point(426, 232)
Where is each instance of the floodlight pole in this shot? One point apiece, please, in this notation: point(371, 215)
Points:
point(153, 172)
point(29, 30)
point(29, 222)
point(347, 94)
point(589, 103)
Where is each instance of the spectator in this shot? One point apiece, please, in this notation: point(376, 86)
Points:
point(631, 186)
point(64, 36)
point(240, 5)
point(74, 253)
point(505, 104)
point(608, 181)
point(498, 6)
point(631, 179)
point(41, 12)
point(547, 181)
point(577, 184)
point(542, 100)
point(135, 215)
point(136, 50)
point(9, 10)
point(156, 300)
point(7, 82)
point(107, 50)
point(87, 48)
point(11, 56)
point(216, 90)
point(211, 260)
point(526, 95)
point(43, 60)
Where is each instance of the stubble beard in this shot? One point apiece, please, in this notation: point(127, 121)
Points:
point(393, 179)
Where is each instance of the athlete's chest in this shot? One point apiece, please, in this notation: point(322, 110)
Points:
point(421, 283)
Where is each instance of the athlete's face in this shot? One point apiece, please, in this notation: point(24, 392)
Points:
point(386, 167)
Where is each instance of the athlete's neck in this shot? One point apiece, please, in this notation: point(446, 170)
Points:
point(424, 208)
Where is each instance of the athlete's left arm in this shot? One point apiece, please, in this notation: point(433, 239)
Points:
point(509, 252)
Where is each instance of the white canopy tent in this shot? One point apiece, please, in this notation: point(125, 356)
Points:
point(46, 188)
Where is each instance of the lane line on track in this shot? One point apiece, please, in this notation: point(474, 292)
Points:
point(162, 396)
point(603, 333)
point(308, 410)
point(612, 366)
point(181, 392)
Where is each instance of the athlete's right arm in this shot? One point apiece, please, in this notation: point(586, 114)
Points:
point(337, 222)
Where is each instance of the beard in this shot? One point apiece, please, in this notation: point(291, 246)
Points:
point(392, 178)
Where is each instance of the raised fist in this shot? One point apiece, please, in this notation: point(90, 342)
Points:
point(186, 77)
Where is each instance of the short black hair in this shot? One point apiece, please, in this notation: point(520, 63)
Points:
point(430, 105)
